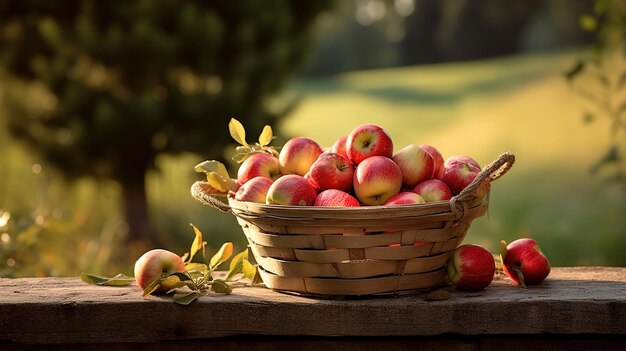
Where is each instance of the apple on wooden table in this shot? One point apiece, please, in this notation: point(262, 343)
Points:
point(154, 264)
point(471, 267)
point(524, 262)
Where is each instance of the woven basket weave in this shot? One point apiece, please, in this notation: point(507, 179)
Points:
point(369, 250)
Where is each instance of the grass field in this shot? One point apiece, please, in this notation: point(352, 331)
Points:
point(518, 104)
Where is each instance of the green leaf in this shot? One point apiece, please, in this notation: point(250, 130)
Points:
point(236, 264)
point(242, 254)
point(196, 267)
point(236, 267)
point(222, 255)
point(196, 245)
point(152, 287)
point(257, 278)
point(221, 286)
point(186, 298)
point(118, 280)
point(588, 23)
point(575, 70)
point(266, 136)
point(249, 270)
point(237, 131)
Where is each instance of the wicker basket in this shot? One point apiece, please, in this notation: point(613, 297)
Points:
point(373, 250)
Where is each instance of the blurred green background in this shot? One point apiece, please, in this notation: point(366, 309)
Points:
point(543, 79)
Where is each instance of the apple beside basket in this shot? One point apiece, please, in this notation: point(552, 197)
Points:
point(339, 251)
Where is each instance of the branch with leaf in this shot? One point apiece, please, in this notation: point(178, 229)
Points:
point(199, 278)
point(218, 179)
point(601, 81)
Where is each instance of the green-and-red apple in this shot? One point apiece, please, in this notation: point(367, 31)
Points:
point(331, 171)
point(335, 198)
point(524, 262)
point(458, 175)
point(471, 268)
point(437, 160)
point(368, 140)
point(155, 263)
point(297, 155)
point(254, 190)
point(415, 163)
point(291, 189)
point(462, 159)
point(433, 190)
point(261, 164)
point(376, 179)
point(339, 147)
point(405, 198)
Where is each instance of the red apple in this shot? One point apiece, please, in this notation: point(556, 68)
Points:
point(461, 159)
point(377, 179)
point(368, 140)
point(415, 163)
point(523, 261)
point(331, 171)
point(433, 190)
point(254, 190)
point(262, 164)
point(335, 198)
point(339, 147)
point(437, 160)
point(297, 155)
point(405, 198)
point(471, 268)
point(459, 175)
point(155, 263)
point(291, 189)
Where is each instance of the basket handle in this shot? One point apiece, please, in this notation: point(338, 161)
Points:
point(492, 171)
point(200, 190)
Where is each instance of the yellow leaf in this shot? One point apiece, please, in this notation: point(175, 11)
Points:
point(249, 270)
point(237, 131)
point(212, 166)
point(197, 243)
point(242, 254)
point(217, 182)
point(266, 136)
point(222, 255)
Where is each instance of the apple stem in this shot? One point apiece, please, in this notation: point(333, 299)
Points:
point(520, 276)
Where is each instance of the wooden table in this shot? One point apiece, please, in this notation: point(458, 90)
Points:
point(575, 308)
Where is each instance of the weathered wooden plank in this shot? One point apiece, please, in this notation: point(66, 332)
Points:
point(583, 300)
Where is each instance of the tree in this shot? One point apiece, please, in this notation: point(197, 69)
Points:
point(123, 81)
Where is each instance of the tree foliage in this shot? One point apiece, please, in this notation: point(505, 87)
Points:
point(102, 87)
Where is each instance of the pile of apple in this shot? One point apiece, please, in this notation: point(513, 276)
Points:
point(359, 169)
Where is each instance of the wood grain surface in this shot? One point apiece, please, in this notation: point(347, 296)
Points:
point(574, 300)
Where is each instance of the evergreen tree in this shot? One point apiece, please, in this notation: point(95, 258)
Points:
point(127, 80)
